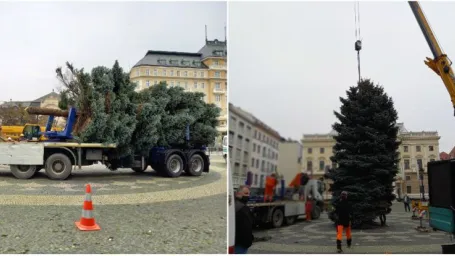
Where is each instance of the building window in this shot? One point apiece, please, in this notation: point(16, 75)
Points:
point(217, 98)
point(195, 73)
point(419, 164)
point(178, 73)
point(186, 85)
point(408, 177)
point(217, 86)
point(262, 165)
point(178, 83)
point(171, 73)
point(405, 148)
point(201, 74)
point(259, 149)
point(217, 74)
point(216, 63)
point(195, 85)
point(202, 85)
point(147, 83)
point(406, 164)
point(418, 149)
point(172, 83)
point(310, 150)
point(321, 165)
point(309, 165)
point(164, 72)
point(255, 134)
point(321, 150)
point(252, 162)
point(408, 190)
point(257, 163)
point(138, 72)
point(147, 72)
point(155, 72)
point(254, 147)
point(255, 179)
point(155, 82)
point(431, 148)
point(185, 73)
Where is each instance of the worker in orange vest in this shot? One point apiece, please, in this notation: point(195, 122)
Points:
point(270, 185)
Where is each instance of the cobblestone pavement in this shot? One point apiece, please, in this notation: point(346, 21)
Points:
point(136, 212)
point(319, 236)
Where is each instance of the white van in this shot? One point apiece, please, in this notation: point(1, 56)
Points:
point(231, 214)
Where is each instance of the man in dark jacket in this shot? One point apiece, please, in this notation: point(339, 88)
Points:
point(344, 213)
point(243, 221)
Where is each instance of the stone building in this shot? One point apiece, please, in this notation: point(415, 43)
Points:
point(416, 150)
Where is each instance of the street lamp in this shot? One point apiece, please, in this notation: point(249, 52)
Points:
point(422, 188)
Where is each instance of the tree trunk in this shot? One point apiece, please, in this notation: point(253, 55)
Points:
point(47, 111)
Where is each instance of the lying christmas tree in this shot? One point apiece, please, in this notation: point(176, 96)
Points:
point(366, 152)
point(111, 111)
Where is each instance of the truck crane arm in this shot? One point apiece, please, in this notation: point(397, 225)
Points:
point(440, 63)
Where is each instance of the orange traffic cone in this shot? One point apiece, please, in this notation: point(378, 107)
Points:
point(87, 222)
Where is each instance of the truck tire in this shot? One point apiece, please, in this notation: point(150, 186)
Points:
point(316, 213)
point(196, 165)
point(290, 220)
point(174, 166)
point(58, 167)
point(277, 218)
point(23, 171)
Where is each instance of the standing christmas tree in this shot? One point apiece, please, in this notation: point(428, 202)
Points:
point(366, 151)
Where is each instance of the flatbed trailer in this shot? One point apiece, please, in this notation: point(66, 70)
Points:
point(281, 212)
point(58, 159)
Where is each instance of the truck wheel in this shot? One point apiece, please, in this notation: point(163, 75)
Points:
point(196, 165)
point(316, 213)
point(23, 171)
point(277, 218)
point(290, 220)
point(58, 167)
point(174, 166)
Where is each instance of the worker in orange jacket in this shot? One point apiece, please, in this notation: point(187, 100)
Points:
point(270, 185)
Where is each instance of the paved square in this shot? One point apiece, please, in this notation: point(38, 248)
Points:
point(319, 236)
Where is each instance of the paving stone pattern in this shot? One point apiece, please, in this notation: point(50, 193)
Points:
point(319, 236)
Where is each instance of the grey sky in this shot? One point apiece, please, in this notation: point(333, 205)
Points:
point(39, 37)
point(290, 62)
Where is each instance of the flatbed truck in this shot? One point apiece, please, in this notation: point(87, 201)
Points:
point(286, 211)
point(58, 154)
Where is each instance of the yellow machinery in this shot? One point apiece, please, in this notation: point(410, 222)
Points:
point(440, 63)
point(15, 132)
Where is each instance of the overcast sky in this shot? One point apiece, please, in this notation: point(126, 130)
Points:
point(36, 38)
point(290, 62)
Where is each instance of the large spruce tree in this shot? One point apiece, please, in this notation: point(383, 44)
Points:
point(366, 151)
point(110, 110)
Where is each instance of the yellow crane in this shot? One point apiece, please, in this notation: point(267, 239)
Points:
point(440, 63)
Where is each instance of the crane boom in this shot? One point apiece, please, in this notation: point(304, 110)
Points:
point(440, 63)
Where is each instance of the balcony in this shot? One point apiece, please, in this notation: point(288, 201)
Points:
point(218, 67)
point(219, 91)
point(223, 77)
